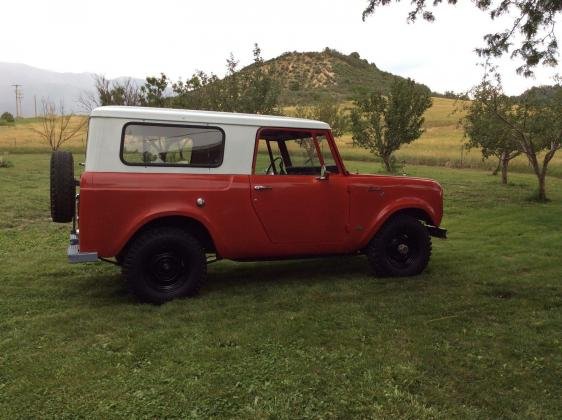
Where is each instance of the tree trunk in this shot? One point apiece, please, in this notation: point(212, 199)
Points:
point(504, 164)
point(387, 165)
point(542, 186)
point(541, 176)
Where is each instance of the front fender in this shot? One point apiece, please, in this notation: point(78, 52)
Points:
point(393, 208)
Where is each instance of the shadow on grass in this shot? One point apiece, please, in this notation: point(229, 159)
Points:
point(317, 270)
point(111, 289)
point(100, 289)
point(226, 274)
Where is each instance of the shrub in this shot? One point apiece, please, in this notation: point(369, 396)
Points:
point(5, 163)
point(6, 116)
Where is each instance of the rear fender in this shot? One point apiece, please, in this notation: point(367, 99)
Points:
point(149, 217)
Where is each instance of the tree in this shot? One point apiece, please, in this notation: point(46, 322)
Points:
point(254, 89)
point(328, 111)
point(260, 88)
point(201, 91)
point(118, 92)
point(383, 124)
point(485, 131)
point(154, 91)
point(534, 22)
point(57, 127)
point(544, 133)
point(6, 116)
point(449, 94)
point(535, 124)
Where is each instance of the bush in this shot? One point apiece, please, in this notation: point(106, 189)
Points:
point(6, 116)
point(5, 163)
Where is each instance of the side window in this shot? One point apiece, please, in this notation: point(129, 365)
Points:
point(268, 152)
point(293, 152)
point(326, 152)
point(302, 154)
point(287, 152)
point(172, 145)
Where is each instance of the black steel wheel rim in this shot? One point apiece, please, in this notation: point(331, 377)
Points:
point(167, 271)
point(402, 250)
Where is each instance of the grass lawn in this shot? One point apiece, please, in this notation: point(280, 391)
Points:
point(479, 334)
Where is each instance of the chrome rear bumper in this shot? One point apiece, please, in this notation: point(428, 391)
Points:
point(74, 254)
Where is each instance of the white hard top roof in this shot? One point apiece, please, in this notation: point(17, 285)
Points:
point(205, 117)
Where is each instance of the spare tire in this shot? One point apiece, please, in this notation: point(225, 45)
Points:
point(63, 187)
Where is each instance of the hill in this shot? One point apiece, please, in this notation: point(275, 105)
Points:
point(309, 76)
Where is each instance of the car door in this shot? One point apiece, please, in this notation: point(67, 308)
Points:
point(294, 203)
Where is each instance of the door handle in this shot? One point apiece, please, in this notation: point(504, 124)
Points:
point(262, 187)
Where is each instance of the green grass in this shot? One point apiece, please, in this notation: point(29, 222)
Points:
point(479, 334)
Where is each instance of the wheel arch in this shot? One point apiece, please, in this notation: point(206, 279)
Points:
point(187, 223)
point(416, 212)
point(419, 210)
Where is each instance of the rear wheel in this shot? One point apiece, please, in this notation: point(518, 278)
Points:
point(402, 247)
point(163, 264)
point(63, 187)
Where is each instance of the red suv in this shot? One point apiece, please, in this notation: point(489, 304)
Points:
point(164, 190)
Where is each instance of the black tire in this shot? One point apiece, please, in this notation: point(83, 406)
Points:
point(401, 248)
point(63, 187)
point(163, 264)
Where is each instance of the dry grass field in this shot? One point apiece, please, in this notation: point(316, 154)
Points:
point(440, 145)
point(21, 137)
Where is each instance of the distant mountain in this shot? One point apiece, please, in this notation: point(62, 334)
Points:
point(307, 77)
point(40, 84)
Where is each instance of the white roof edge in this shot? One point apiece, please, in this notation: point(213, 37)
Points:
point(206, 117)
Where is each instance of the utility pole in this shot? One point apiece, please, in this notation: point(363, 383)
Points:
point(35, 102)
point(19, 96)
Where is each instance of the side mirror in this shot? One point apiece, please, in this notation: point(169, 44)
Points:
point(324, 174)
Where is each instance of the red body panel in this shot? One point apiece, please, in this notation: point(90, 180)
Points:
point(296, 209)
point(113, 206)
point(298, 216)
point(285, 216)
point(374, 198)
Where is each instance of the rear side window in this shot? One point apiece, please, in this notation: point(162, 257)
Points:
point(172, 145)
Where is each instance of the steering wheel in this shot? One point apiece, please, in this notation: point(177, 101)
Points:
point(274, 168)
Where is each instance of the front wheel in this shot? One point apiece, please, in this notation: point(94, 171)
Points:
point(402, 247)
point(163, 264)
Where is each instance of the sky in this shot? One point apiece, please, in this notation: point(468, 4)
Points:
point(139, 38)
